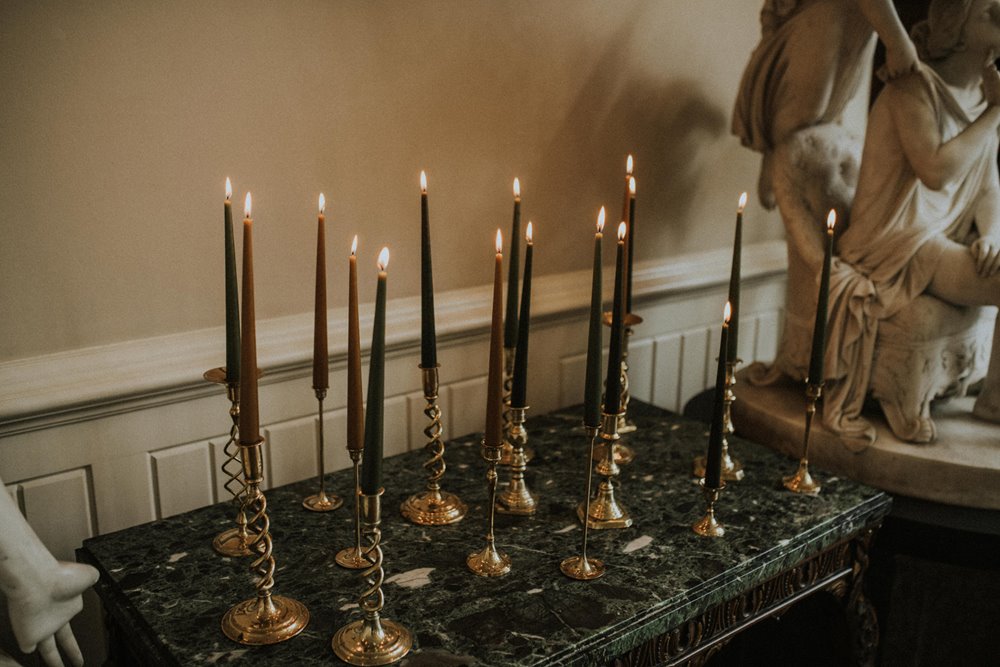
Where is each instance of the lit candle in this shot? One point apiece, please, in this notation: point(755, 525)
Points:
point(631, 242)
point(494, 385)
point(734, 283)
point(249, 416)
point(519, 389)
point(510, 323)
point(612, 385)
point(713, 462)
point(592, 386)
point(355, 408)
point(232, 295)
point(428, 339)
point(819, 330)
point(628, 176)
point(321, 359)
point(371, 464)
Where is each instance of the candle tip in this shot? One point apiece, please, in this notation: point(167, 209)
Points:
point(631, 185)
point(383, 259)
point(423, 182)
point(322, 203)
point(499, 242)
point(529, 233)
point(229, 189)
point(628, 165)
point(247, 206)
point(600, 220)
point(517, 188)
point(354, 245)
point(743, 202)
point(621, 231)
point(727, 312)
point(831, 219)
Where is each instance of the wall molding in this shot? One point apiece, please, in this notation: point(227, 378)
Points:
point(78, 385)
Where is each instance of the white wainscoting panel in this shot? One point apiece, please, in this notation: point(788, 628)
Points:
point(667, 372)
point(468, 399)
point(640, 373)
point(335, 440)
point(58, 507)
point(182, 478)
point(572, 376)
point(291, 450)
point(694, 363)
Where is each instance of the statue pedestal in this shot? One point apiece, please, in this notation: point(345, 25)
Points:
point(962, 467)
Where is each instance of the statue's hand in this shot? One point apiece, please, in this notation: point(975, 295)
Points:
point(901, 60)
point(991, 85)
point(986, 252)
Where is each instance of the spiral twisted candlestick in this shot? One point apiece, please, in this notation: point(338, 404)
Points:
point(433, 507)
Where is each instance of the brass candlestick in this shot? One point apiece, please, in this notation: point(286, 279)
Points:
point(266, 618)
point(708, 526)
point(320, 501)
point(581, 567)
point(233, 542)
point(373, 640)
point(516, 498)
point(605, 511)
point(802, 481)
point(489, 562)
point(623, 453)
point(732, 470)
point(353, 558)
point(433, 507)
point(507, 450)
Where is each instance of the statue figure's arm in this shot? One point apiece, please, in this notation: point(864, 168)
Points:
point(934, 161)
point(900, 54)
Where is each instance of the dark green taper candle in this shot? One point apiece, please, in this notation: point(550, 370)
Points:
point(713, 462)
point(371, 463)
point(232, 296)
point(613, 383)
point(592, 386)
point(519, 389)
point(428, 337)
point(734, 283)
point(630, 251)
point(510, 321)
point(819, 329)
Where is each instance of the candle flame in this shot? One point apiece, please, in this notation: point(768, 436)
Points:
point(499, 242)
point(621, 231)
point(247, 206)
point(600, 220)
point(423, 182)
point(517, 188)
point(354, 246)
point(831, 220)
point(631, 185)
point(322, 203)
point(628, 165)
point(229, 189)
point(529, 233)
point(383, 259)
point(727, 312)
point(743, 202)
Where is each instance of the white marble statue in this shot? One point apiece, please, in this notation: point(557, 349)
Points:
point(42, 594)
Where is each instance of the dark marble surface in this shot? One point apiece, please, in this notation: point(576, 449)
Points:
point(166, 583)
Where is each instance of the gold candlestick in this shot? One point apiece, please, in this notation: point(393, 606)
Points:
point(320, 501)
point(507, 450)
point(605, 511)
point(233, 542)
point(433, 507)
point(489, 562)
point(516, 498)
point(732, 470)
point(802, 481)
point(266, 618)
point(708, 526)
point(353, 558)
point(623, 453)
point(581, 567)
point(373, 640)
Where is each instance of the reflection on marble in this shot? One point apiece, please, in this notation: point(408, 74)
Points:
point(659, 572)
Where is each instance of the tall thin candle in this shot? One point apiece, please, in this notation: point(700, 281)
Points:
point(428, 337)
point(519, 389)
point(232, 295)
point(355, 409)
point(713, 462)
point(249, 414)
point(321, 358)
point(494, 384)
point(510, 322)
point(612, 385)
point(631, 243)
point(592, 385)
point(819, 329)
point(734, 283)
point(629, 163)
point(371, 464)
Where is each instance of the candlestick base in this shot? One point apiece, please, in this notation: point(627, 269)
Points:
point(732, 470)
point(265, 620)
point(802, 482)
point(581, 568)
point(517, 500)
point(372, 642)
point(489, 562)
point(605, 511)
point(322, 502)
point(234, 543)
point(351, 558)
point(708, 525)
point(434, 508)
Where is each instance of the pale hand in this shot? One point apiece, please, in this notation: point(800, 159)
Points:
point(901, 60)
point(986, 252)
point(991, 85)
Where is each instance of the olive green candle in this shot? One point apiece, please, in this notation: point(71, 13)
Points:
point(249, 413)
point(713, 462)
point(428, 337)
point(819, 329)
point(592, 385)
point(734, 283)
point(630, 251)
point(232, 295)
point(371, 464)
point(519, 387)
point(510, 322)
point(613, 383)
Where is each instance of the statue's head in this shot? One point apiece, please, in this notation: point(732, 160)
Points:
point(954, 25)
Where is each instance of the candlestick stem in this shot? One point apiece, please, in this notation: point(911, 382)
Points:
point(489, 562)
point(581, 567)
point(802, 482)
point(516, 498)
point(266, 618)
point(321, 501)
point(372, 640)
point(605, 511)
point(732, 469)
point(353, 558)
point(708, 525)
point(433, 507)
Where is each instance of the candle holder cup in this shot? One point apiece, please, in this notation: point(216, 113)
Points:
point(353, 558)
point(321, 501)
point(433, 507)
point(507, 450)
point(708, 525)
point(488, 562)
point(265, 618)
point(732, 470)
point(581, 567)
point(516, 498)
point(372, 640)
point(801, 481)
point(605, 511)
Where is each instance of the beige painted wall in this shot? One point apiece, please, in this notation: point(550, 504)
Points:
point(119, 122)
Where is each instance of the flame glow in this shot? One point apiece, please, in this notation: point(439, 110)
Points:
point(354, 246)
point(229, 189)
point(529, 234)
point(517, 188)
point(322, 203)
point(499, 242)
point(621, 231)
point(743, 202)
point(727, 312)
point(247, 206)
point(628, 165)
point(631, 185)
point(383, 259)
point(600, 220)
point(423, 182)
point(831, 219)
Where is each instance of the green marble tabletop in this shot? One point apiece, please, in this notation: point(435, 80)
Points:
point(163, 582)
